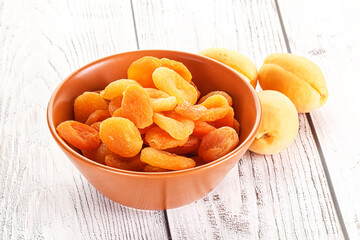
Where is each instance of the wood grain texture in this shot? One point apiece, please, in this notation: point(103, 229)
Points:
point(331, 39)
point(284, 196)
point(42, 196)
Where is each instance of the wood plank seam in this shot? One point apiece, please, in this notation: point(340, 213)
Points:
point(316, 139)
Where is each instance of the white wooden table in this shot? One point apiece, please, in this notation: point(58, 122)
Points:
point(309, 191)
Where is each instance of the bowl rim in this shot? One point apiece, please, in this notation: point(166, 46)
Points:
point(66, 148)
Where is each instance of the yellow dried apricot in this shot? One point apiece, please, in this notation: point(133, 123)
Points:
point(217, 106)
point(149, 168)
point(121, 136)
point(86, 104)
point(162, 159)
point(98, 154)
point(191, 146)
point(222, 93)
point(131, 164)
point(97, 116)
point(218, 143)
point(172, 83)
point(160, 139)
point(156, 93)
point(189, 111)
point(202, 128)
point(198, 93)
point(79, 135)
point(163, 104)
point(177, 126)
point(142, 69)
point(178, 67)
point(136, 106)
point(115, 104)
point(215, 101)
point(117, 88)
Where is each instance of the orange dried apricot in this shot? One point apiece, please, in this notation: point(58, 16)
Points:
point(198, 161)
point(217, 106)
point(96, 126)
point(177, 126)
point(189, 111)
point(236, 126)
point(144, 130)
point(218, 143)
point(142, 69)
point(136, 106)
point(86, 104)
point(131, 164)
point(172, 83)
point(117, 88)
point(156, 93)
point(98, 154)
point(222, 93)
point(79, 135)
point(118, 113)
point(198, 93)
point(162, 159)
point(149, 168)
point(163, 104)
point(160, 139)
point(121, 136)
point(178, 67)
point(97, 116)
point(202, 128)
point(191, 146)
point(115, 104)
point(226, 121)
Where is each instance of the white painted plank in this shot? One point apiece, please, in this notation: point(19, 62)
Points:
point(327, 32)
point(283, 196)
point(42, 196)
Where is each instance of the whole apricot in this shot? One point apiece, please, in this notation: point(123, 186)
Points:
point(279, 124)
point(235, 60)
point(296, 77)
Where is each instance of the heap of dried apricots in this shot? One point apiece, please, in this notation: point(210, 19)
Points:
point(152, 121)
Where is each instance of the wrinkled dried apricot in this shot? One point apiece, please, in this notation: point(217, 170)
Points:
point(172, 83)
point(115, 104)
point(118, 113)
point(162, 159)
point(136, 106)
point(191, 146)
point(96, 126)
point(163, 104)
point(218, 143)
point(97, 116)
point(226, 121)
point(141, 70)
point(98, 154)
point(198, 93)
point(79, 135)
point(149, 168)
point(156, 93)
point(177, 126)
point(202, 128)
point(217, 106)
point(121, 136)
point(131, 164)
point(178, 67)
point(86, 104)
point(222, 93)
point(117, 88)
point(236, 126)
point(189, 111)
point(160, 139)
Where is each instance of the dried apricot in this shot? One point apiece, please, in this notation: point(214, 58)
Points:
point(162, 159)
point(217, 106)
point(198, 161)
point(118, 113)
point(191, 146)
point(79, 135)
point(218, 143)
point(226, 121)
point(198, 93)
point(96, 126)
point(98, 154)
point(131, 164)
point(189, 111)
point(121, 136)
point(117, 88)
point(86, 104)
point(115, 104)
point(136, 106)
point(156, 93)
point(160, 139)
point(163, 104)
point(141, 70)
point(172, 83)
point(177, 126)
point(215, 101)
point(144, 130)
point(222, 93)
point(202, 128)
point(97, 116)
point(178, 67)
point(236, 126)
point(149, 168)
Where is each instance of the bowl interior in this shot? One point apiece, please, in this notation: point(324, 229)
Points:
point(208, 75)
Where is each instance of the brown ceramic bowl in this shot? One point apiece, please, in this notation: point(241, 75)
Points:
point(164, 190)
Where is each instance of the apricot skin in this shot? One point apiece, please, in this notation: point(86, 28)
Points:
point(296, 77)
point(279, 124)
